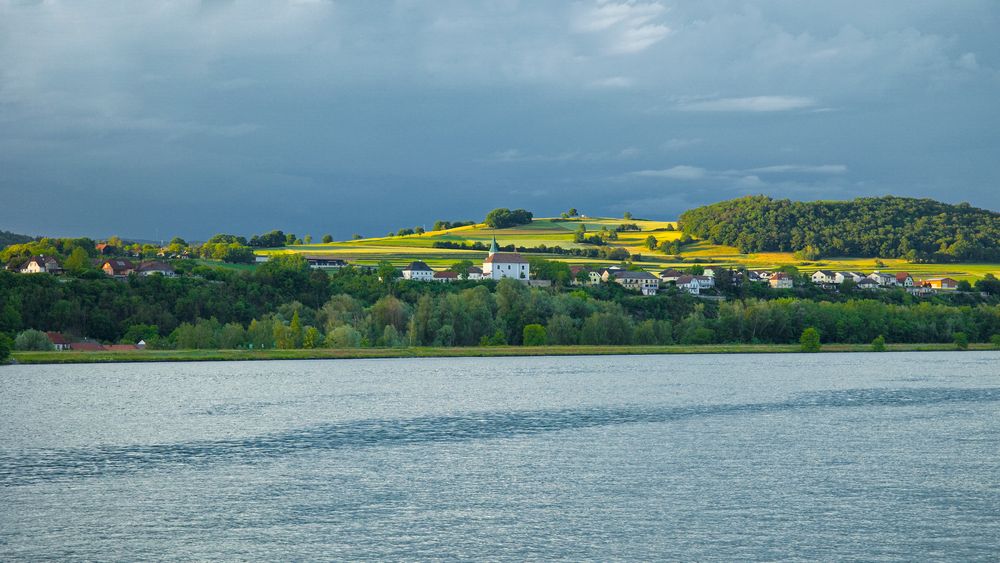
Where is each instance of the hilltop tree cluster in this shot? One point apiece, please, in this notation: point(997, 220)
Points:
point(445, 225)
point(889, 227)
point(502, 218)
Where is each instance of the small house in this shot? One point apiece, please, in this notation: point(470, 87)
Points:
point(781, 280)
point(941, 283)
point(58, 340)
point(868, 284)
point(689, 284)
point(841, 277)
point(904, 279)
point(670, 275)
point(824, 277)
point(41, 265)
point(608, 274)
point(641, 281)
point(118, 267)
point(883, 279)
point(706, 282)
point(150, 268)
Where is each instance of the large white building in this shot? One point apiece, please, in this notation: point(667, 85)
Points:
point(418, 271)
point(499, 265)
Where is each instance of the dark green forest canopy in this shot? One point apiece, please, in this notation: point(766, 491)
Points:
point(8, 238)
point(214, 308)
point(887, 227)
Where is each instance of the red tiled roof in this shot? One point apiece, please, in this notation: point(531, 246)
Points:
point(119, 265)
point(901, 276)
point(57, 338)
point(87, 346)
point(445, 274)
point(505, 258)
point(121, 347)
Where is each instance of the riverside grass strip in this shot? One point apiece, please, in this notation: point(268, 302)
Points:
point(67, 357)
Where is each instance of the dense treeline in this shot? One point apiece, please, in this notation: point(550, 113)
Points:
point(284, 304)
point(8, 238)
point(889, 227)
point(440, 225)
point(605, 253)
point(57, 247)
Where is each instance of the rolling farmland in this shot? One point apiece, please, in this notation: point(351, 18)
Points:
point(550, 232)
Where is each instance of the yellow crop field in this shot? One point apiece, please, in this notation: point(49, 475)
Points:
point(550, 232)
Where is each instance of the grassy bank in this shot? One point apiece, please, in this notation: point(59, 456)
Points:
point(353, 353)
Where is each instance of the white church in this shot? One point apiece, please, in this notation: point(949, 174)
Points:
point(499, 265)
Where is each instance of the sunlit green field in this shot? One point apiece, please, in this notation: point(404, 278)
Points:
point(400, 250)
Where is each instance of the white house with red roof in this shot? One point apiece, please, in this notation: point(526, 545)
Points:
point(499, 265)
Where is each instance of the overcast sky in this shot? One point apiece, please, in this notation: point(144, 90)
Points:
point(190, 117)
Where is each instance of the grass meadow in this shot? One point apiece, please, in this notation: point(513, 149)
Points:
point(400, 250)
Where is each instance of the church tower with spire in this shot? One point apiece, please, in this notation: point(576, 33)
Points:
point(499, 265)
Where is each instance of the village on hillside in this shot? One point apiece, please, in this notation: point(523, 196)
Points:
point(498, 265)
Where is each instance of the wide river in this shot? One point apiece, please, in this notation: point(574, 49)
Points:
point(723, 457)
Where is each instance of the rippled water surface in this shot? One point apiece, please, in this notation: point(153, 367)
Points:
point(831, 456)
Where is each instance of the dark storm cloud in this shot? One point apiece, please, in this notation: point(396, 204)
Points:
point(314, 116)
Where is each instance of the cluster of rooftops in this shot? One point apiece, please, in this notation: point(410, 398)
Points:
point(115, 267)
point(502, 265)
point(63, 342)
point(883, 280)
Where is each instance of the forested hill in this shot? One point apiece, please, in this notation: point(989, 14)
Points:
point(8, 238)
point(886, 227)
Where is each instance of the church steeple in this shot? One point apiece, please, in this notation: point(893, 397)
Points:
point(494, 248)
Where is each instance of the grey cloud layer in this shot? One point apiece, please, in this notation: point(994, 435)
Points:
point(319, 116)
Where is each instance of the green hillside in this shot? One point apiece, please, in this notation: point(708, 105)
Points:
point(400, 250)
point(919, 230)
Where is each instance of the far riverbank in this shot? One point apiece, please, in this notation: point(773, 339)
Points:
point(66, 357)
